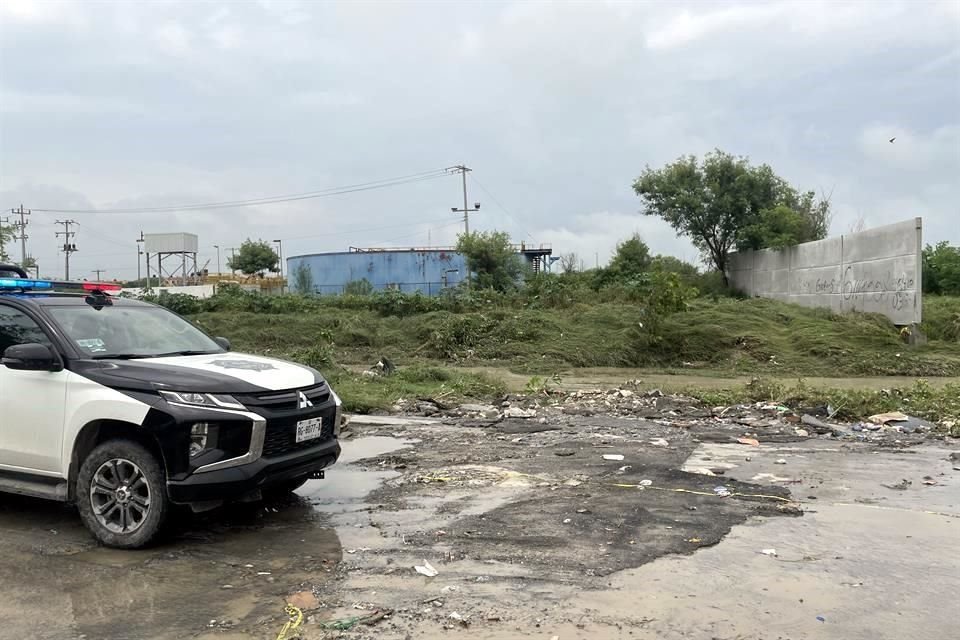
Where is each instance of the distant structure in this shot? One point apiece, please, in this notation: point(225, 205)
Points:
point(171, 257)
point(428, 270)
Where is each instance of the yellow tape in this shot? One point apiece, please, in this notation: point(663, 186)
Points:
point(296, 619)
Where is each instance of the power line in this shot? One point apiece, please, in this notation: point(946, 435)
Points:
point(324, 193)
point(502, 208)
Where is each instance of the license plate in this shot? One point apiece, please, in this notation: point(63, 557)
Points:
point(309, 429)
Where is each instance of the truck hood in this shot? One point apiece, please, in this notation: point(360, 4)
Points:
point(229, 372)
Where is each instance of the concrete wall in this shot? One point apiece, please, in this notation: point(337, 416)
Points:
point(407, 270)
point(197, 291)
point(878, 271)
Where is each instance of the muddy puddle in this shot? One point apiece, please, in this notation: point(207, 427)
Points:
point(218, 574)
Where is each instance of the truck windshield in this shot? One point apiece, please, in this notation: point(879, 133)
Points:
point(131, 332)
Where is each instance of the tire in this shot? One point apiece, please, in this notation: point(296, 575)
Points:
point(121, 494)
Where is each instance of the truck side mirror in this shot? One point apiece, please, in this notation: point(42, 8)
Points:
point(31, 357)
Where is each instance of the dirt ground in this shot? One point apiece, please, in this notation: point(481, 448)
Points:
point(534, 534)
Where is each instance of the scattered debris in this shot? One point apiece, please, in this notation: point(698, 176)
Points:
point(646, 483)
point(769, 552)
point(780, 461)
point(616, 457)
point(346, 624)
point(884, 418)
point(722, 491)
point(660, 442)
point(753, 442)
point(426, 569)
point(303, 600)
point(903, 485)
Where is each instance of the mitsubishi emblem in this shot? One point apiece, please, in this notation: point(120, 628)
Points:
point(304, 401)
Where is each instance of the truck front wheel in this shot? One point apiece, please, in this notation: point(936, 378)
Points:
point(121, 494)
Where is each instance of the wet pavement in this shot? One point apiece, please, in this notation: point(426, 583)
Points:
point(534, 535)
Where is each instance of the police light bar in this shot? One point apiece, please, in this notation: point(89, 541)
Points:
point(26, 284)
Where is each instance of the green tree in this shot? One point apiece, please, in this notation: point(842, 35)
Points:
point(491, 259)
point(254, 257)
point(6, 237)
point(719, 203)
point(303, 279)
point(361, 287)
point(941, 269)
point(630, 259)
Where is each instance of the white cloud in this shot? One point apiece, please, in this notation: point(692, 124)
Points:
point(173, 38)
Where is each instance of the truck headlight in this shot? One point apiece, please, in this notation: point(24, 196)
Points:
point(338, 414)
point(210, 400)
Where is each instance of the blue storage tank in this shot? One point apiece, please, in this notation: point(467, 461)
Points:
point(409, 270)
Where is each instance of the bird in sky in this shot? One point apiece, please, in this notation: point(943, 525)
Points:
point(892, 139)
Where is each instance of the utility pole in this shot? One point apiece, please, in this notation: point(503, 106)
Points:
point(233, 254)
point(139, 253)
point(462, 170)
point(280, 261)
point(22, 225)
point(98, 272)
point(217, 247)
point(68, 247)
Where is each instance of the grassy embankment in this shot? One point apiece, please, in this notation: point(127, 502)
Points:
point(437, 351)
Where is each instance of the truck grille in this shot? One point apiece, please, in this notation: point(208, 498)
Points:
point(281, 438)
point(286, 400)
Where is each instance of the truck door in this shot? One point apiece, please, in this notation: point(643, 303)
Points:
point(31, 402)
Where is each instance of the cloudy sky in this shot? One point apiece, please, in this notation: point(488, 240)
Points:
point(556, 107)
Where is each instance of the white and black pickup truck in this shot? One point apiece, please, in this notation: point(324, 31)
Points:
point(124, 408)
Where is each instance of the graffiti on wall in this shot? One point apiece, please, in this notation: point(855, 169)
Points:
point(895, 290)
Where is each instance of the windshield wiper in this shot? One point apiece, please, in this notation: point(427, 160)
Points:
point(120, 356)
point(185, 352)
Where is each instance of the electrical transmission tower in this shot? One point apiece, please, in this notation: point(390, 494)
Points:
point(68, 246)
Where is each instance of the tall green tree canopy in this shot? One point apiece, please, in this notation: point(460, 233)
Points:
point(723, 202)
point(631, 258)
point(254, 257)
point(941, 269)
point(491, 259)
point(6, 237)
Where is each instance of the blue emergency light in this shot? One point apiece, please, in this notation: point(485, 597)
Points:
point(27, 284)
point(24, 284)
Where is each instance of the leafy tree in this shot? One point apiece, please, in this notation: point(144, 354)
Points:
point(303, 279)
point(941, 269)
point(719, 203)
point(631, 258)
point(6, 237)
point(254, 257)
point(360, 287)
point(670, 264)
point(491, 259)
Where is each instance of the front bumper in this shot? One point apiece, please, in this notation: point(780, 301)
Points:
point(236, 482)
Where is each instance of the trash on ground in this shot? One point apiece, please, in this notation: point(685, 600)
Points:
point(753, 442)
point(769, 552)
point(660, 442)
point(613, 456)
point(900, 486)
point(780, 461)
point(303, 600)
point(288, 630)
point(646, 483)
point(884, 418)
point(426, 569)
point(345, 624)
point(721, 491)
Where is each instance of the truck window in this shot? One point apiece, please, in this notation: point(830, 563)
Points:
point(16, 327)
